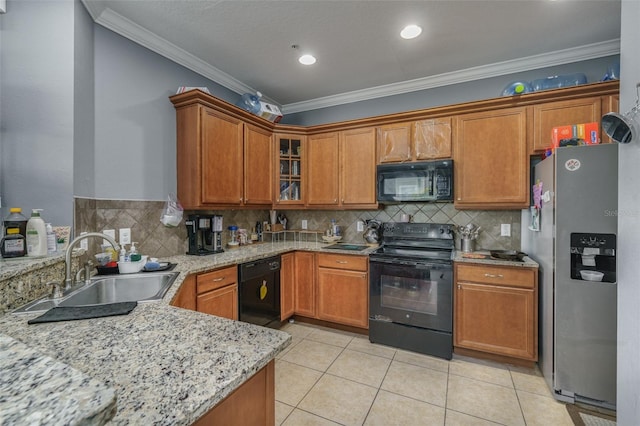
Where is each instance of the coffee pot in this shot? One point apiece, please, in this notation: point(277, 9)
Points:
point(372, 234)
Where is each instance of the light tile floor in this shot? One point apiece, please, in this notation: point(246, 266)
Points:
point(331, 377)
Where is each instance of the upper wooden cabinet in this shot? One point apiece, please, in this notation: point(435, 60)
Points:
point(491, 162)
point(291, 166)
point(323, 169)
point(415, 141)
point(221, 161)
point(548, 115)
point(342, 169)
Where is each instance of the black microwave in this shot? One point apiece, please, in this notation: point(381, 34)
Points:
point(415, 182)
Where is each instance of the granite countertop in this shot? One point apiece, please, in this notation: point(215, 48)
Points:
point(484, 257)
point(165, 364)
point(13, 267)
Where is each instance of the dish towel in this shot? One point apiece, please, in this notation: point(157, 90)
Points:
point(72, 313)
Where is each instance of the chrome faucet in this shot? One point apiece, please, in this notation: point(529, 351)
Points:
point(68, 280)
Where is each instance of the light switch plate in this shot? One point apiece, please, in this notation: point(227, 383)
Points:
point(505, 230)
point(125, 236)
point(109, 232)
point(304, 224)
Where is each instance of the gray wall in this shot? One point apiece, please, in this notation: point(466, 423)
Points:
point(135, 131)
point(37, 80)
point(629, 230)
point(487, 88)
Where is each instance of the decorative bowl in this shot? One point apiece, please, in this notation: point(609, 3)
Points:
point(331, 238)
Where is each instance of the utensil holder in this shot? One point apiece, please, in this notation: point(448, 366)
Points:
point(467, 245)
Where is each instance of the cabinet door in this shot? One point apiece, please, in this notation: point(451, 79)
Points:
point(222, 302)
point(343, 297)
point(432, 139)
point(287, 285)
point(222, 173)
point(499, 320)
point(358, 167)
point(186, 296)
point(305, 284)
point(394, 143)
point(258, 163)
point(491, 163)
point(290, 169)
point(322, 169)
point(552, 114)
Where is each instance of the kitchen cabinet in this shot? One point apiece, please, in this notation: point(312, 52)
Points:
point(420, 140)
point(343, 289)
point(253, 403)
point(287, 285)
point(548, 115)
point(221, 160)
point(185, 297)
point(290, 169)
point(342, 170)
point(491, 162)
point(323, 170)
point(305, 284)
point(496, 310)
point(217, 293)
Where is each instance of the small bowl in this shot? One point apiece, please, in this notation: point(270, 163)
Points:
point(591, 275)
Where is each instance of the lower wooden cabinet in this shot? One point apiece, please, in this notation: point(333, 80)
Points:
point(217, 293)
point(253, 403)
point(496, 310)
point(287, 285)
point(305, 284)
point(185, 297)
point(343, 289)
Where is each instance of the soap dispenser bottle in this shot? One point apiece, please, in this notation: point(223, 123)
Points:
point(36, 235)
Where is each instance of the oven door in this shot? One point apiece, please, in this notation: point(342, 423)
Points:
point(412, 293)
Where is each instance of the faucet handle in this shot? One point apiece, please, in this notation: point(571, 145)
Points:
point(56, 289)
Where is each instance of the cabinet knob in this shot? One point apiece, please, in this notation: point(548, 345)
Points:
point(494, 275)
point(459, 287)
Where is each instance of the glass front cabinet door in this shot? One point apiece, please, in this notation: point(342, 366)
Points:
point(290, 168)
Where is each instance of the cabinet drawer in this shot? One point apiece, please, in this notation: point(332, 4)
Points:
point(496, 275)
point(343, 261)
point(216, 279)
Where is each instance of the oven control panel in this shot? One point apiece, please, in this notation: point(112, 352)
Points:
point(418, 230)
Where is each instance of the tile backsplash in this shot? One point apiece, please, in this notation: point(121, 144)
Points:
point(154, 239)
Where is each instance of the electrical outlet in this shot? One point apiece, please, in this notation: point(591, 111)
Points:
point(505, 230)
point(360, 226)
point(84, 244)
point(125, 236)
point(111, 233)
point(304, 224)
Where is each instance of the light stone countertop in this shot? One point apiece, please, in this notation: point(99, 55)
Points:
point(13, 267)
point(166, 365)
point(527, 261)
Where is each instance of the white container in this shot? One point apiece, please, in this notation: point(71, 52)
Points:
point(36, 235)
point(591, 275)
point(132, 267)
point(52, 242)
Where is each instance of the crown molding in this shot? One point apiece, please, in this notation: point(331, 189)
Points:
point(558, 57)
point(140, 35)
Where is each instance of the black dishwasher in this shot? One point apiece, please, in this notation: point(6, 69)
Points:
point(260, 292)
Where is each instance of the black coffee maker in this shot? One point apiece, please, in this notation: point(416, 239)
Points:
point(205, 234)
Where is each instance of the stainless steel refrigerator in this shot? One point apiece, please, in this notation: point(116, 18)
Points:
point(575, 244)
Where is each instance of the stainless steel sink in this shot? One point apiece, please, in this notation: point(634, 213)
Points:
point(143, 287)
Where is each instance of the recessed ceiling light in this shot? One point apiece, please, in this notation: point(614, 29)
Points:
point(410, 31)
point(307, 59)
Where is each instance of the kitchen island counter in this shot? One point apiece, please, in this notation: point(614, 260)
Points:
point(167, 365)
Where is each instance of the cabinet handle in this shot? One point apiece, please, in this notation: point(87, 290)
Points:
point(494, 275)
point(459, 287)
point(335, 200)
point(344, 262)
point(219, 279)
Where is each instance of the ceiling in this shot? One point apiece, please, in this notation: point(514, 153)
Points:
point(247, 45)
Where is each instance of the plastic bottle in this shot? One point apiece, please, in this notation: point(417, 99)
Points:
point(13, 244)
point(558, 81)
point(123, 254)
point(52, 241)
point(16, 220)
point(517, 88)
point(36, 235)
point(250, 102)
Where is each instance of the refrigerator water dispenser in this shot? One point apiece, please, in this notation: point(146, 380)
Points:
point(593, 252)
